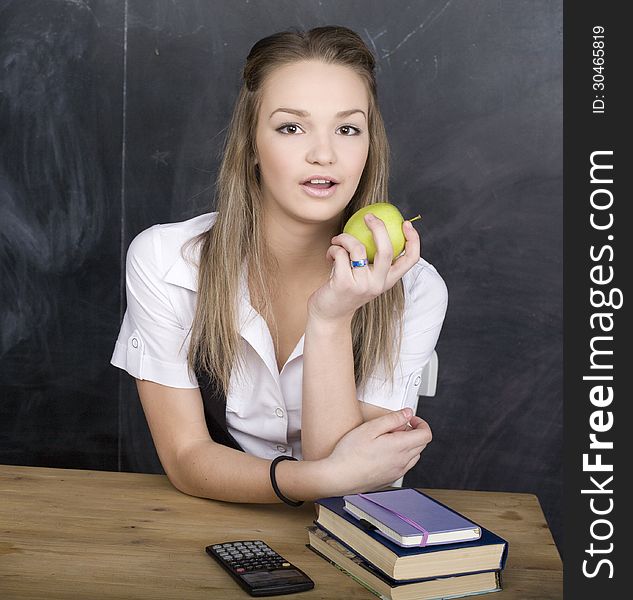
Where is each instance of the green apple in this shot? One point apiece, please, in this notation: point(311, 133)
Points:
point(389, 215)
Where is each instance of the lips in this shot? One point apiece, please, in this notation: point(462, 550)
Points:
point(319, 185)
point(318, 177)
point(319, 191)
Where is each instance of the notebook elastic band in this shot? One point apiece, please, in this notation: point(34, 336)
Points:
point(425, 533)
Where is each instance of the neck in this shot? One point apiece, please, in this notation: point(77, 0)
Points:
point(299, 248)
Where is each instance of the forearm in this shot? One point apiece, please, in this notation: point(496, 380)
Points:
point(330, 407)
point(210, 470)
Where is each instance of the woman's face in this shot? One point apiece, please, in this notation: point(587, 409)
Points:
point(312, 124)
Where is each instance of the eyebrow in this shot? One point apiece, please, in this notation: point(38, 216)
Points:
point(305, 113)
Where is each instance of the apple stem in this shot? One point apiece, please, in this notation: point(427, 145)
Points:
point(414, 219)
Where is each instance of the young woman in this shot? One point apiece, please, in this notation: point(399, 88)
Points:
point(272, 362)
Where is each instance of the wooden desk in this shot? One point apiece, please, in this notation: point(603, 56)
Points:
point(67, 533)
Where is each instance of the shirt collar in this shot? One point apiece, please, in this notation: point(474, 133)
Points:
point(183, 273)
point(252, 326)
point(255, 331)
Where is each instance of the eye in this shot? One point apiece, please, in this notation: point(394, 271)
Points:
point(349, 130)
point(291, 127)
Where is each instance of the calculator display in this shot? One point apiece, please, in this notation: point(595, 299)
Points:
point(281, 576)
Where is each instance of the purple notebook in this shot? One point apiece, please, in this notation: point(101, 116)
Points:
point(411, 518)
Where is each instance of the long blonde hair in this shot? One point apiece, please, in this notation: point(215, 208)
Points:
point(236, 238)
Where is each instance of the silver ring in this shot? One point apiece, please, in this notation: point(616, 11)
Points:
point(363, 262)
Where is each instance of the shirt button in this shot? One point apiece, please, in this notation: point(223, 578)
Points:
point(279, 412)
point(134, 343)
point(417, 380)
point(281, 448)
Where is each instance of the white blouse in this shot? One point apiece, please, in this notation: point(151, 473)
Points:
point(263, 406)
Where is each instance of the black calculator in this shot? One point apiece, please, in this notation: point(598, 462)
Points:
point(259, 569)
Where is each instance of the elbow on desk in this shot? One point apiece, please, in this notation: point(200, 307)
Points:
point(177, 481)
point(181, 469)
point(188, 487)
point(200, 468)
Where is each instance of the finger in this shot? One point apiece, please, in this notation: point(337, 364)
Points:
point(415, 421)
point(384, 248)
point(409, 424)
point(354, 247)
point(419, 423)
point(410, 257)
point(402, 427)
point(424, 425)
point(341, 270)
point(412, 438)
point(425, 430)
point(412, 463)
point(412, 249)
point(413, 451)
point(388, 423)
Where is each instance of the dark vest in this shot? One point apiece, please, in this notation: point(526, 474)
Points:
point(215, 411)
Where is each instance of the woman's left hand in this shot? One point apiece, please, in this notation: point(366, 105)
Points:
point(349, 288)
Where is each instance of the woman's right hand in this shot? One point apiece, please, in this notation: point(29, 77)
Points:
point(377, 453)
point(350, 288)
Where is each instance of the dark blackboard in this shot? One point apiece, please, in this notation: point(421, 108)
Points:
point(112, 117)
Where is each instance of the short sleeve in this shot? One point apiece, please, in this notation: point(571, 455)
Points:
point(426, 301)
point(152, 343)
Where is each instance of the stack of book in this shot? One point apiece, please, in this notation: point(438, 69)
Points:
point(403, 545)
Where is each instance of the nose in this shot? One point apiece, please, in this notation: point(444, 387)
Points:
point(321, 150)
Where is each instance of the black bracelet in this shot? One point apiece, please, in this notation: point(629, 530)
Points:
point(274, 481)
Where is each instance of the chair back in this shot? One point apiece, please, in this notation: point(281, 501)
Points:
point(427, 387)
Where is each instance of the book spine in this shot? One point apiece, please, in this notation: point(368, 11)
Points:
point(344, 570)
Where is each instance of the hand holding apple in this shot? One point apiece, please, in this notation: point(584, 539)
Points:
point(389, 215)
point(350, 288)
